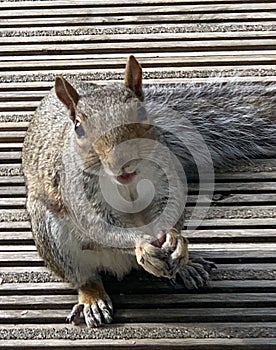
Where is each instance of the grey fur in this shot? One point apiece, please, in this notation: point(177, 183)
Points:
point(236, 120)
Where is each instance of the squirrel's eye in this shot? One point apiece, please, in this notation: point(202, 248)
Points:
point(79, 129)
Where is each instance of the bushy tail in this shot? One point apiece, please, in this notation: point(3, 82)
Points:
point(236, 120)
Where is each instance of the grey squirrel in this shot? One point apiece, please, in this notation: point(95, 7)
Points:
point(86, 141)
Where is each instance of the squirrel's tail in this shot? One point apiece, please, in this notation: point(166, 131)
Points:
point(235, 120)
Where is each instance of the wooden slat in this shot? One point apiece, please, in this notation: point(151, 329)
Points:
point(216, 286)
point(12, 202)
point(117, 3)
point(173, 46)
point(189, 59)
point(115, 75)
point(145, 10)
point(142, 344)
point(195, 17)
point(8, 191)
point(118, 59)
point(239, 223)
point(15, 180)
point(13, 136)
point(19, 225)
point(149, 315)
point(131, 284)
point(9, 126)
point(135, 301)
point(15, 237)
point(10, 156)
point(17, 248)
point(253, 234)
point(156, 37)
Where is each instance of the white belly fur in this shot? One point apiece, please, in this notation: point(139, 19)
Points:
point(87, 262)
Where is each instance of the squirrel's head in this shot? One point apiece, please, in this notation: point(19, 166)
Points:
point(111, 125)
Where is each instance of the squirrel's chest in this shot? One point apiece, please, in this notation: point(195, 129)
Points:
point(86, 259)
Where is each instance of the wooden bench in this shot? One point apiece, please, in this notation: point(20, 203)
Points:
point(175, 41)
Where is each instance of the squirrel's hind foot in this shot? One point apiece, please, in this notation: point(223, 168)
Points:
point(94, 307)
point(194, 275)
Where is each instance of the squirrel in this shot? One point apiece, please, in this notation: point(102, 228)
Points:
point(87, 141)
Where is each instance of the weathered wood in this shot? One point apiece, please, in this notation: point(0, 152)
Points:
point(150, 315)
point(10, 146)
point(118, 59)
point(19, 225)
point(188, 18)
point(143, 344)
point(149, 38)
point(15, 180)
point(10, 156)
point(7, 126)
point(17, 248)
point(131, 284)
point(252, 234)
point(18, 105)
point(139, 46)
point(12, 136)
point(129, 10)
point(240, 198)
point(36, 288)
point(190, 59)
point(136, 301)
point(16, 237)
point(13, 191)
point(12, 202)
point(188, 332)
point(74, 3)
point(239, 223)
point(157, 344)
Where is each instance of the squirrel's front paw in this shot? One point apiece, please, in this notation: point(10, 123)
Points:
point(164, 256)
point(195, 274)
point(153, 259)
point(94, 306)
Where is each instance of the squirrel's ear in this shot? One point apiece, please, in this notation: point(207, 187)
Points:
point(67, 95)
point(133, 77)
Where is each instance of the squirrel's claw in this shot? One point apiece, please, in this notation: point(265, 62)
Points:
point(208, 266)
point(93, 314)
point(75, 315)
point(196, 274)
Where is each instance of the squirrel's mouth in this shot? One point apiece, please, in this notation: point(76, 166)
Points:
point(126, 178)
